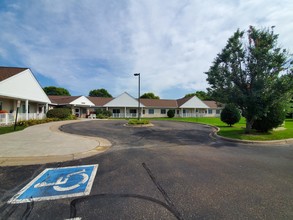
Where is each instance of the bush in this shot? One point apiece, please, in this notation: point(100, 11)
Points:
point(61, 113)
point(230, 115)
point(102, 113)
point(171, 113)
point(138, 122)
point(3, 111)
point(274, 118)
point(32, 122)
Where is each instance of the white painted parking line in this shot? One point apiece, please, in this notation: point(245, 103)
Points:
point(57, 183)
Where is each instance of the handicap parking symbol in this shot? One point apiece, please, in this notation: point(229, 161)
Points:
point(57, 183)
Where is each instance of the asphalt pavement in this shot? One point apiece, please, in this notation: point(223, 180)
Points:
point(172, 170)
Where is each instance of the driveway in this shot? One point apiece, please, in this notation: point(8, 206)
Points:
point(169, 171)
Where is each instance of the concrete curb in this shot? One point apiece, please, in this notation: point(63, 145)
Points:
point(102, 146)
point(216, 130)
point(138, 126)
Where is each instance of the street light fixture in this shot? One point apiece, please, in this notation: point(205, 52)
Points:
point(138, 74)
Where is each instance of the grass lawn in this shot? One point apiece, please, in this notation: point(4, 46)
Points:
point(237, 130)
point(8, 129)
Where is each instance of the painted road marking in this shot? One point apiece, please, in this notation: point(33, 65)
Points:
point(57, 183)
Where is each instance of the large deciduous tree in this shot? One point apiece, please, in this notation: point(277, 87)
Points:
point(52, 90)
point(100, 93)
point(149, 95)
point(252, 72)
point(199, 94)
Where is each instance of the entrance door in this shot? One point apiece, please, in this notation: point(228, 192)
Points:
point(77, 112)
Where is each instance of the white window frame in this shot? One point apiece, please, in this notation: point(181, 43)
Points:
point(151, 111)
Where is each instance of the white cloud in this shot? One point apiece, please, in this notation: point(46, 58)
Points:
point(84, 45)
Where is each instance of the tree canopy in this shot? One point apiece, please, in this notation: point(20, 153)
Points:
point(52, 90)
point(199, 94)
point(254, 73)
point(149, 95)
point(100, 93)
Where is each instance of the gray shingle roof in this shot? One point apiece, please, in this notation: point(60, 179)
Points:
point(7, 72)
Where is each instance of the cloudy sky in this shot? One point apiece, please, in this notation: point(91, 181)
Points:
point(92, 44)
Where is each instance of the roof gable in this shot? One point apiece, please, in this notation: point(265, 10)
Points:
point(183, 100)
point(192, 102)
point(23, 85)
point(124, 100)
point(82, 101)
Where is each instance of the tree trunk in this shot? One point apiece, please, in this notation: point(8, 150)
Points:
point(249, 124)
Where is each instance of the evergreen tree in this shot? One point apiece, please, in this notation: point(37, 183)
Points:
point(252, 73)
point(230, 115)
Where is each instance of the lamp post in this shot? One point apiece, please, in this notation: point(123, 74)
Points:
point(138, 74)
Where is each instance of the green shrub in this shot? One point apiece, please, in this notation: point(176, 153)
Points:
point(138, 122)
point(71, 117)
point(230, 115)
point(102, 113)
point(22, 123)
point(101, 116)
point(32, 122)
point(61, 113)
point(274, 118)
point(171, 113)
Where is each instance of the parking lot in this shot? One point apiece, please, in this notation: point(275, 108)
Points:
point(171, 170)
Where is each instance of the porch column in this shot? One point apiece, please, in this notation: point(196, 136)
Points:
point(181, 113)
point(26, 109)
point(47, 108)
point(124, 112)
point(6, 118)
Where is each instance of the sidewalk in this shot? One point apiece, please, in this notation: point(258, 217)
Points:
point(44, 143)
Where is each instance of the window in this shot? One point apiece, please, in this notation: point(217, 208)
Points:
point(143, 112)
point(184, 111)
point(210, 111)
point(116, 111)
point(163, 111)
point(151, 111)
point(218, 111)
point(178, 112)
point(132, 111)
point(23, 109)
point(1, 106)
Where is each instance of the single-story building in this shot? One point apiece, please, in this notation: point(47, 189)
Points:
point(19, 89)
point(126, 106)
point(215, 108)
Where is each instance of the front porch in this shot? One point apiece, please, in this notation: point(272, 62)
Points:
point(9, 118)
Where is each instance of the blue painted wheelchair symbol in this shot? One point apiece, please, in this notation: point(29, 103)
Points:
point(57, 183)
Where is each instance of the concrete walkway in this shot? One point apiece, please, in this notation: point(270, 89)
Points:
point(45, 143)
